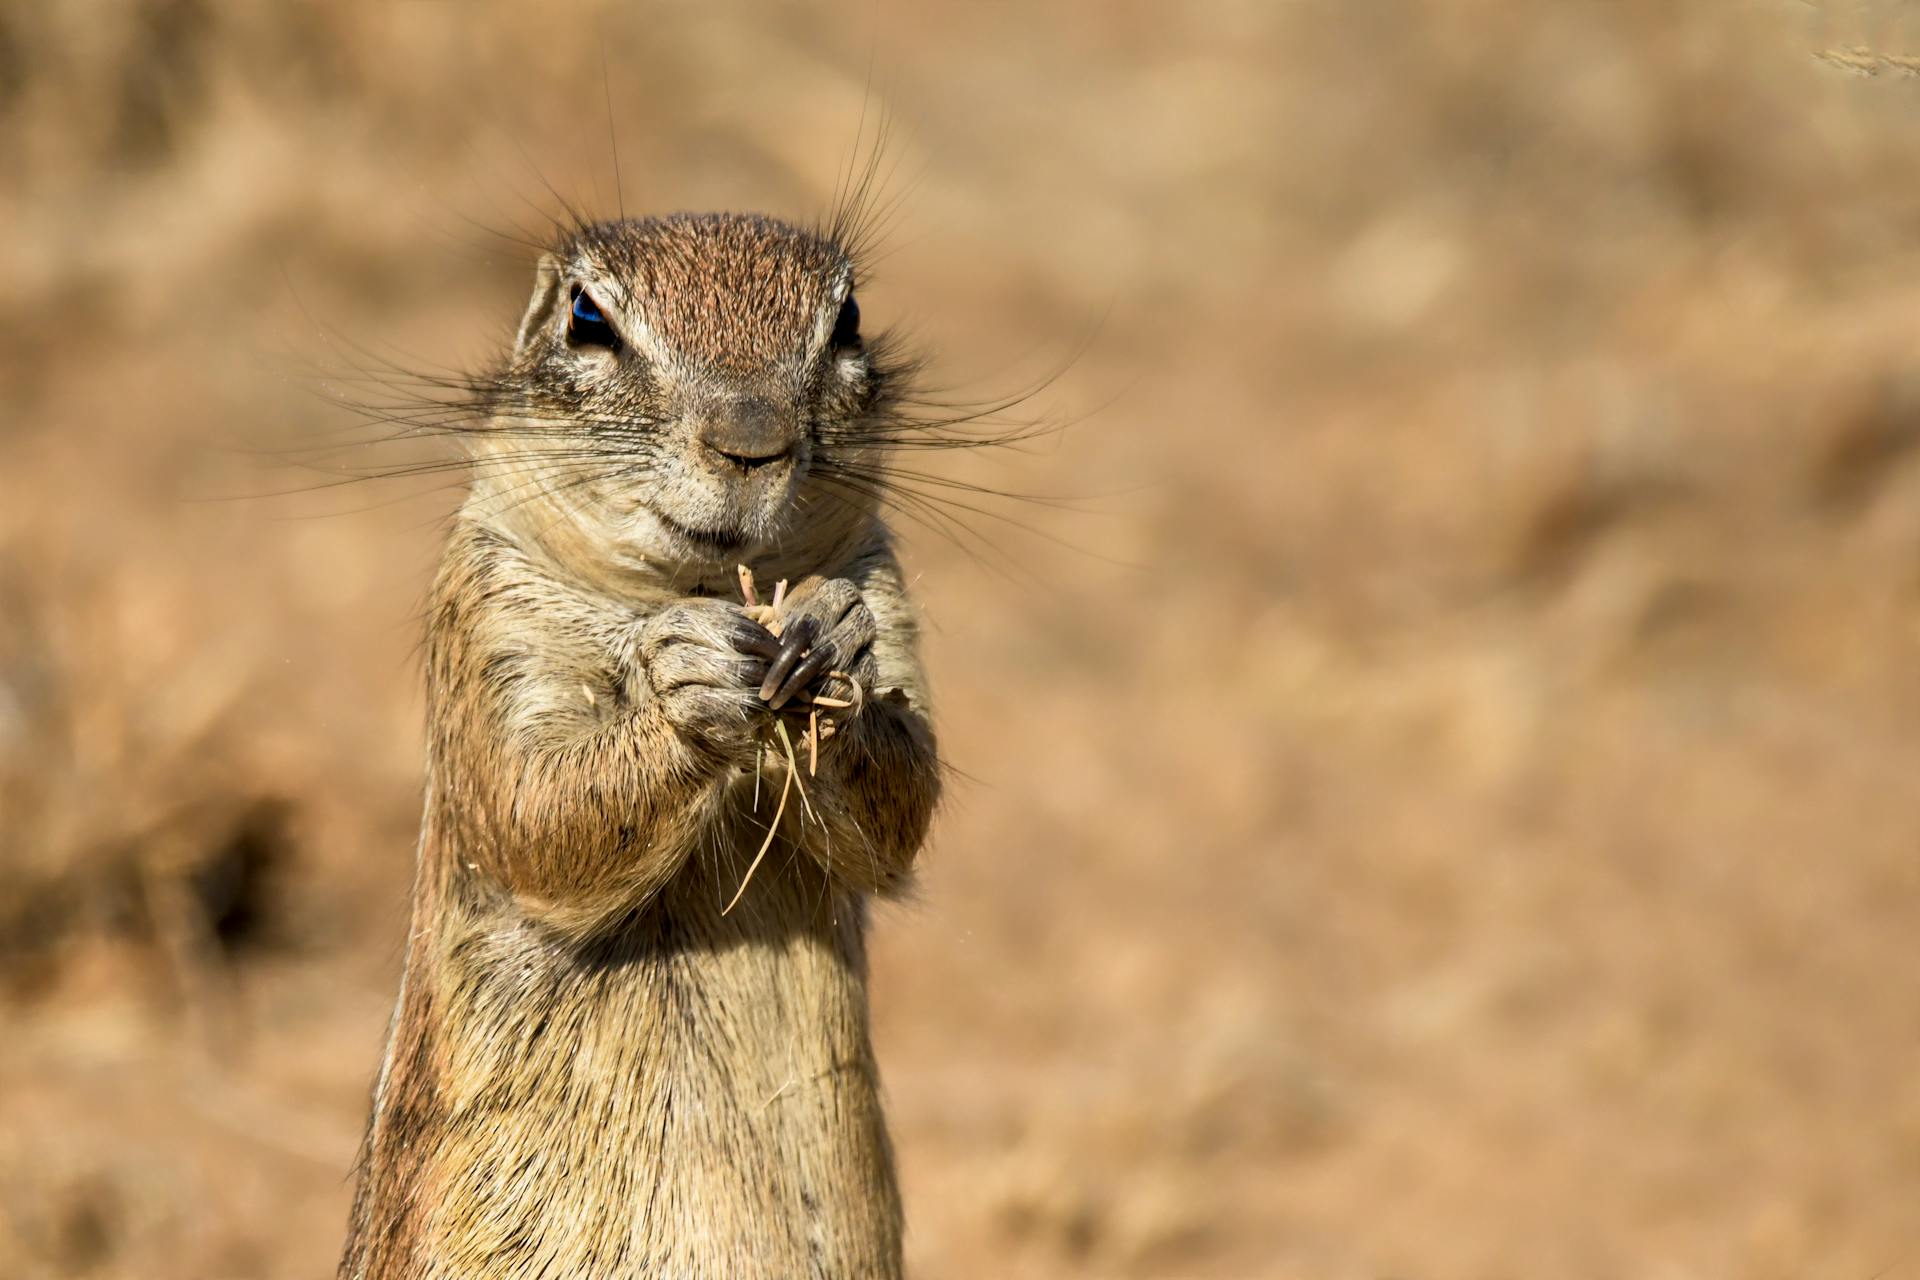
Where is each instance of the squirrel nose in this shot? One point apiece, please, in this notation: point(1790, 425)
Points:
point(747, 433)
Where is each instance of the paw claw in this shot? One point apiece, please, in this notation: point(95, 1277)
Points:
point(794, 642)
point(751, 638)
point(803, 675)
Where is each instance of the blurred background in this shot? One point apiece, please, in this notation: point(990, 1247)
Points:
point(1453, 816)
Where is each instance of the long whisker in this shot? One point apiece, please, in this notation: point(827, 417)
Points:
point(905, 488)
point(932, 516)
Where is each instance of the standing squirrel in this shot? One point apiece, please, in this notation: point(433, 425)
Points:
point(600, 1065)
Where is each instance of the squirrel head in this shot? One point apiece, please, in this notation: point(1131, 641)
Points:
point(687, 393)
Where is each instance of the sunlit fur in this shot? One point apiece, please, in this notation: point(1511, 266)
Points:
point(592, 1071)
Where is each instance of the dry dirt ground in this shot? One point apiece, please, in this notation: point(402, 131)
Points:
point(1452, 817)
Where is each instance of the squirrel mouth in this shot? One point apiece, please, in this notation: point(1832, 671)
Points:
point(712, 539)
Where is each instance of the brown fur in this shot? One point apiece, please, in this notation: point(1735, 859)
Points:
point(592, 1071)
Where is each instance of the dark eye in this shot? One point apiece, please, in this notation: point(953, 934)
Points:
point(846, 325)
point(586, 327)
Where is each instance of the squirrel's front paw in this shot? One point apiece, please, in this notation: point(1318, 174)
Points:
point(703, 667)
point(825, 646)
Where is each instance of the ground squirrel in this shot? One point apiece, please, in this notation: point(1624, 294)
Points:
point(595, 1067)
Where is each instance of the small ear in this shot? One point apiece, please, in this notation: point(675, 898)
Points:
point(546, 295)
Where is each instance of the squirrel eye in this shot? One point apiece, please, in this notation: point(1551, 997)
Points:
point(586, 326)
point(846, 325)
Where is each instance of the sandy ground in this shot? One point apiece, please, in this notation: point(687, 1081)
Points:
point(1449, 813)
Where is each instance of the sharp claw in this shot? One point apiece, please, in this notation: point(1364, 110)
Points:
point(803, 675)
point(753, 639)
point(750, 637)
point(794, 642)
